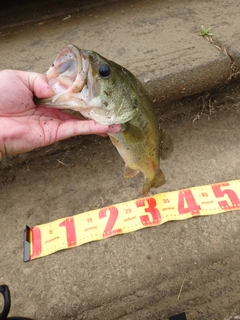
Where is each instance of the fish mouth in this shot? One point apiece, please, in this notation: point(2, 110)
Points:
point(67, 77)
point(76, 81)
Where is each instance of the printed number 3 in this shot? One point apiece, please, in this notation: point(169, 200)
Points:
point(156, 216)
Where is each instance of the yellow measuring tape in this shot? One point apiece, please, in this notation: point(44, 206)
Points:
point(130, 216)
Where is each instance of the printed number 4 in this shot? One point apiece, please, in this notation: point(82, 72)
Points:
point(235, 202)
point(187, 203)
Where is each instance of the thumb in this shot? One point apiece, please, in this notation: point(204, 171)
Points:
point(39, 86)
point(36, 83)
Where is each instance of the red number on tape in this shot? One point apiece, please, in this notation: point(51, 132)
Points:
point(36, 242)
point(70, 230)
point(186, 197)
point(108, 231)
point(235, 202)
point(156, 216)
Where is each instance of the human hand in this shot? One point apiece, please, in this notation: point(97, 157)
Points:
point(25, 126)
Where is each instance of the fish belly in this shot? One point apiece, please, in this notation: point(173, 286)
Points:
point(138, 157)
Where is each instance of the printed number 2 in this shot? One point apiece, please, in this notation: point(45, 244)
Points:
point(108, 231)
point(235, 202)
point(156, 216)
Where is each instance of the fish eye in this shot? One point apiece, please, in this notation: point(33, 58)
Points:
point(104, 71)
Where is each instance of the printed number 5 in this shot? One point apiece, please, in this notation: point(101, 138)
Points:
point(156, 216)
point(231, 195)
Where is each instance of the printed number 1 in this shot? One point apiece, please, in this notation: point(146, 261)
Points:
point(70, 231)
point(235, 202)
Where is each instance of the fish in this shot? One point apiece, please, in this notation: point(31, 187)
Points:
point(102, 90)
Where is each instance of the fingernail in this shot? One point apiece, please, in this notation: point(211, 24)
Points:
point(114, 128)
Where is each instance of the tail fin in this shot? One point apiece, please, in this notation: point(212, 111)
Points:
point(156, 182)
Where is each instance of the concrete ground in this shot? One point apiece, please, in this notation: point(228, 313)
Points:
point(190, 266)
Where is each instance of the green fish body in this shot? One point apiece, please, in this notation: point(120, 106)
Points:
point(106, 92)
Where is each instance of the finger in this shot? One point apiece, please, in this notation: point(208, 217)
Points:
point(114, 128)
point(35, 82)
point(83, 127)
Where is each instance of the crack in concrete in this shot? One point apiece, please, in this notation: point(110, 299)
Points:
point(223, 49)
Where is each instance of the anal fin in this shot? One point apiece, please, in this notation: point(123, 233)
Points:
point(130, 173)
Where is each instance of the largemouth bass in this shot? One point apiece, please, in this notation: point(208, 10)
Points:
point(106, 92)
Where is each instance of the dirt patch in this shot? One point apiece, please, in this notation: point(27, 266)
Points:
point(189, 266)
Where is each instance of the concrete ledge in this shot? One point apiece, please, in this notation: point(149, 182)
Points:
point(159, 41)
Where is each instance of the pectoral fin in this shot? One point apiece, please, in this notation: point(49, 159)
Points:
point(132, 134)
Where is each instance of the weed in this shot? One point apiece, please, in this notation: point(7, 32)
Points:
point(205, 32)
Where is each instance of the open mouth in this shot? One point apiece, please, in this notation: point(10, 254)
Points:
point(80, 82)
point(68, 74)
